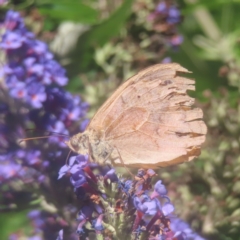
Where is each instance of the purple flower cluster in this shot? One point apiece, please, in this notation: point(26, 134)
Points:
point(31, 68)
point(116, 207)
point(166, 18)
point(32, 96)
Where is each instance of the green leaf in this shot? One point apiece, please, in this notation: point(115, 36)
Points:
point(69, 10)
point(100, 34)
point(13, 221)
point(109, 28)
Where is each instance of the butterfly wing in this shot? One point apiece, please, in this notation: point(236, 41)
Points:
point(150, 119)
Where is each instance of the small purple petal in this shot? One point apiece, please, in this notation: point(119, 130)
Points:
point(159, 188)
point(12, 40)
point(167, 209)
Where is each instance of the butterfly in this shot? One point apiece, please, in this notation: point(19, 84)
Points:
point(148, 122)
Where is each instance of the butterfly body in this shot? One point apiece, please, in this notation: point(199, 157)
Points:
point(91, 143)
point(149, 121)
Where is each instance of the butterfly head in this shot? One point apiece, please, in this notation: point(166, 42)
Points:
point(78, 143)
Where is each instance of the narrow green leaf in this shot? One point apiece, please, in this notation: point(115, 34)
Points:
point(74, 11)
point(99, 35)
point(109, 28)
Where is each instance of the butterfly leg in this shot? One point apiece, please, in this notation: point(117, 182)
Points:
point(124, 165)
point(108, 158)
point(89, 151)
point(67, 162)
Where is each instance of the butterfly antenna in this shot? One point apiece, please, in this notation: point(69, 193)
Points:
point(124, 165)
point(33, 138)
point(49, 132)
point(66, 162)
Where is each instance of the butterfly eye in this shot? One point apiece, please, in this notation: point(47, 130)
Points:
point(75, 143)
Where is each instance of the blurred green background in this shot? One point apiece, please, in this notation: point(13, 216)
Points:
point(102, 43)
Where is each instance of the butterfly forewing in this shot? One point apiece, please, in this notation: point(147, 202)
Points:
point(150, 119)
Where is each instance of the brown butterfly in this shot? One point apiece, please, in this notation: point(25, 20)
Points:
point(149, 121)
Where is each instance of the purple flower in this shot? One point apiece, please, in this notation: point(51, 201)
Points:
point(71, 114)
point(19, 90)
point(80, 161)
point(60, 235)
point(165, 19)
point(78, 179)
point(85, 213)
point(138, 205)
point(167, 209)
point(34, 214)
point(13, 20)
point(33, 68)
point(125, 185)
point(183, 231)
point(152, 207)
point(54, 73)
point(15, 70)
point(12, 40)
point(174, 15)
point(176, 40)
point(34, 157)
point(9, 170)
point(162, 8)
point(98, 223)
point(35, 238)
point(57, 127)
point(159, 189)
point(166, 60)
point(111, 174)
point(36, 95)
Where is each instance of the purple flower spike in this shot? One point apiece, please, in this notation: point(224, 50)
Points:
point(32, 96)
